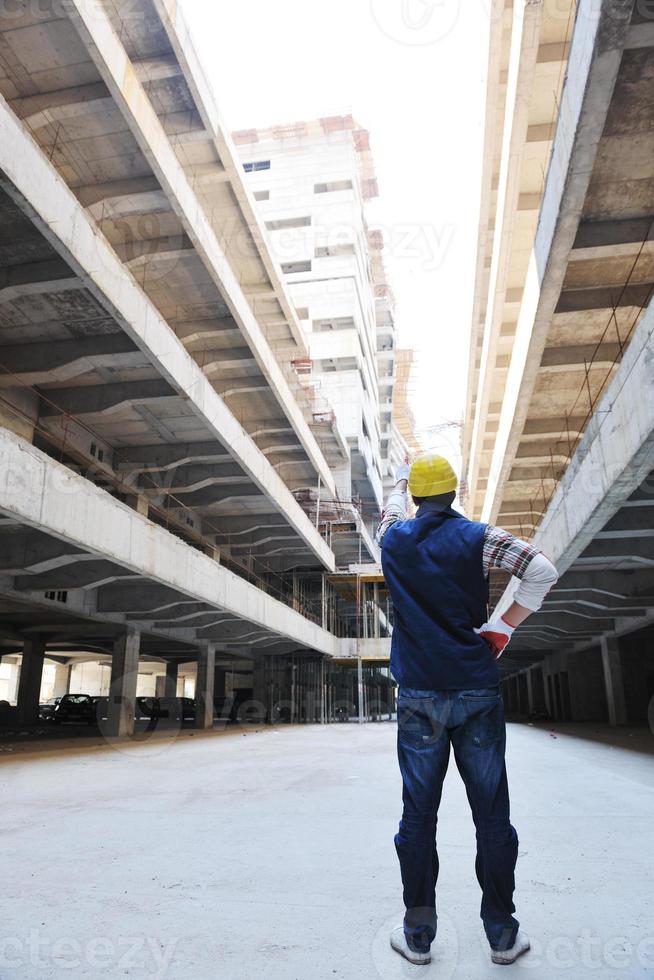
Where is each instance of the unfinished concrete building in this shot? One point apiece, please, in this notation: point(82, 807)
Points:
point(164, 446)
point(558, 442)
point(313, 180)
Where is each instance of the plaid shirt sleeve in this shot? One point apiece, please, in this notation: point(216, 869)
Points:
point(504, 550)
point(395, 510)
point(536, 573)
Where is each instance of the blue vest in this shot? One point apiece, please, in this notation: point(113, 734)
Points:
point(434, 571)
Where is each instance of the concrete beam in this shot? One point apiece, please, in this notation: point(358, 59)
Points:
point(93, 194)
point(61, 361)
point(640, 35)
point(129, 205)
point(523, 57)
point(595, 56)
point(630, 522)
point(574, 357)
point(155, 459)
point(103, 399)
point(187, 479)
point(555, 426)
point(61, 104)
point(86, 575)
point(34, 552)
point(604, 298)
point(608, 234)
point(624, 550)
point(37, 491)
point(159, 69)
point(169, 248)
point(613, 585)
point(35, 278)
point(29, 178)
point(96, 31)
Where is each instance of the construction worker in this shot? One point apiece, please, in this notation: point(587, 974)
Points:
point(444, 658)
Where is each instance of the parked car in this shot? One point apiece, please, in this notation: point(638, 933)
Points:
point(147, 708)
point(79, 708)
point(177, 709)
point(47, 709)
point(101, 707)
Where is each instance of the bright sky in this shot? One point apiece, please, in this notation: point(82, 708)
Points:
point(413, 73)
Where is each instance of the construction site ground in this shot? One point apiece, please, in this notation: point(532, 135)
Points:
point(269, 853)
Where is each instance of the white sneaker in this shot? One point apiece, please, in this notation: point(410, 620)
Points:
point(506, 956)
point(401, 946)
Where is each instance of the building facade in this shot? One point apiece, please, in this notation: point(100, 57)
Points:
point(312, 181)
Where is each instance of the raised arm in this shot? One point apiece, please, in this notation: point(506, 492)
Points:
point(397, 503)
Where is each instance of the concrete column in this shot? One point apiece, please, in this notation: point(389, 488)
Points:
point(360, 690)
point(219, 683)
point(538, 689)
point(29, 684)
point(204, 686)
point(62, 680)
point(531, 701)
point(614, 680)
point(170, 680)
point(122, 688)
point(260, 695)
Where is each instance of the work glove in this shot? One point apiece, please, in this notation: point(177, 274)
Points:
point(497, 635)
point(403, 472)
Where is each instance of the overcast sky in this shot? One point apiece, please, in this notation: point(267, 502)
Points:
point(413, 73)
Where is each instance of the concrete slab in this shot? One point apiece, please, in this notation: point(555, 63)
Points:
point(271, 855)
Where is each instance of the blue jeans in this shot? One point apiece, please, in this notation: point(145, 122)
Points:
point(473, 722)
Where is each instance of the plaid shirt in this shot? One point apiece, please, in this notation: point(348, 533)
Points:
point(504, 550)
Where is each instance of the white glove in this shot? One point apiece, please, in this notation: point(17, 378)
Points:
point(497, 635)
point(403, 472)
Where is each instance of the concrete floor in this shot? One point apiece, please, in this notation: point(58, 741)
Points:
point(270, 855)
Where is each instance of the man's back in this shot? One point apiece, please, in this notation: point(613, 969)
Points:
point(433, 566)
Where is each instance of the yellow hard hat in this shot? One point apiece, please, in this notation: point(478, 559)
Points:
point(430, 476)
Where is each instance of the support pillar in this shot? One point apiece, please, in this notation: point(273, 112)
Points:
point(29, 683)
point(204, 686)
point(360, 690)
point(122, 687)
point(62, 680)
point(614, 680)
point(170, 681)
point(220, 682)
point(531, 701)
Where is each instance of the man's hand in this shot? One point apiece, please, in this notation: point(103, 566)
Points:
point(403, 472)
point(497, 635)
